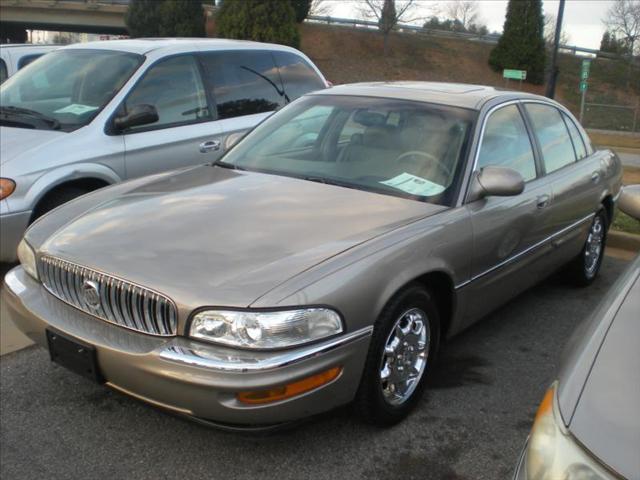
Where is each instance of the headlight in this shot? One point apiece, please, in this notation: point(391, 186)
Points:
point(552, 451)
point(262, 329)
point(27, 258)
point(7, 186)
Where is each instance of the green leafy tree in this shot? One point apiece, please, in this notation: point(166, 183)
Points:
point(143, 18)
point(611, 44)
point(301, 8)
point(182, 18)
point(521, 45)
point(260, 20)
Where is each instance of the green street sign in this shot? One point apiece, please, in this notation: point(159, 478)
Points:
point(583, 85)
point(514, 74)
point(586, 64)
point(584, 75)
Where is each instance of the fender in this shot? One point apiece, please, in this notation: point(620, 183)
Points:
point(76, 171)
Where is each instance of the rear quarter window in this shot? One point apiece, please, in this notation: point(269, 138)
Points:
point(298, 77)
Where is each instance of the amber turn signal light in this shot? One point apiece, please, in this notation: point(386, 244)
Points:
point(7, 186)
point(291, 389)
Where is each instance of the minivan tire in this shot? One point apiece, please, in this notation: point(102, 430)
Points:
point(56, 198)
point(373, 402)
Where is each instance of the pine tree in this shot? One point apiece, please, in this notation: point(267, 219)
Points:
point(522, 43)
point(301, 8)
point(182, 18)
point(260, 20)
point(143, 18)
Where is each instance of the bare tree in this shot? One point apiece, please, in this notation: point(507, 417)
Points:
point(623, 18)
point(389, 13)
point(464, 11)
point(550, 31)
point(320, 8)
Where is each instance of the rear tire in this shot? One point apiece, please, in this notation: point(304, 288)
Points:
point(403, 348)
point(583, 269)
point(56, 198)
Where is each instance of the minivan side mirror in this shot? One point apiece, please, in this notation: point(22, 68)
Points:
point(138, 115)
point(495, 181)
point(629, 201)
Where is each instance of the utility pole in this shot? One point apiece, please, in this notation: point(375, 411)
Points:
point(553, 70)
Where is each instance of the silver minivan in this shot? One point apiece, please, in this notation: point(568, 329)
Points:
point(89, 115)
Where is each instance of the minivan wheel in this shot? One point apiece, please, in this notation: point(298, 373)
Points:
point(56, 198)
point(585, 267)
point(403, 348)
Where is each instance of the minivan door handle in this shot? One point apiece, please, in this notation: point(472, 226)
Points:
point(542, 201)
point(595, 176)
point(209, 146)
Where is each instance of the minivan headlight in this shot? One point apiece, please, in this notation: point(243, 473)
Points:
point(265, 329)
point(27, 258)
point(552, 451)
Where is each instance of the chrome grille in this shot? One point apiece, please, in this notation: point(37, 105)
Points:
point(120, 302)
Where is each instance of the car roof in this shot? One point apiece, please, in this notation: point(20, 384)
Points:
point(143, 46)
point(454, 94)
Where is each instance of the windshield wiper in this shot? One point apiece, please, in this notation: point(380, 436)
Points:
point(231, 166)
point(11, 110)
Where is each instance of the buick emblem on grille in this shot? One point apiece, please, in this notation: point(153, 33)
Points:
point(91, 293)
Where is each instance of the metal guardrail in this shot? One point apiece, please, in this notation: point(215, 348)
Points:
point(404, 28)
point(622, 122)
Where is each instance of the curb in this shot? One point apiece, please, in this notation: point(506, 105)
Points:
point(623, 240)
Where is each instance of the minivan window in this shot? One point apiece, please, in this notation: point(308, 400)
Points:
point(27, 59)
point(244, 82)
point(4, 74)
point(576, 138)
point(298, 77)
point(175, 89)
point(552, 134)
point(65, 89)
point(506, 143)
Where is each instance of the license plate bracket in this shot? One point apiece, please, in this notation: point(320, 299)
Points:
point(74, 355)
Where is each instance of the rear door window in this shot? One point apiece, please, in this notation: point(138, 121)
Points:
point(553, 136)
point(576, 138)
point(243, 82)
point(297, 75)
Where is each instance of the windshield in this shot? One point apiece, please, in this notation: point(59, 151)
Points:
point(395, 147)
point(64, 89)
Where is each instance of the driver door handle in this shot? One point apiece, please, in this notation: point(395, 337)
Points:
point(542, 201)
point(595, 176)
point(210, 145)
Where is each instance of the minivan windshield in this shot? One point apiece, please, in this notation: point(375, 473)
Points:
point(65, 89)
point(390, 146)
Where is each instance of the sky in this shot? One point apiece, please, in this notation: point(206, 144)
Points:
point(582, 18)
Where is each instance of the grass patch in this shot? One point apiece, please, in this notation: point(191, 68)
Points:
point(624, 223)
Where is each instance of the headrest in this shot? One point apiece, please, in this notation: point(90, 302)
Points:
point(369, 119)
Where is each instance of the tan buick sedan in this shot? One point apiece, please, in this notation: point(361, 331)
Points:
point(324, 258)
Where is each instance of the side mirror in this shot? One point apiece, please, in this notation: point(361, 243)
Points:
point(629, 201)
point(138, 115)
point(495, 181)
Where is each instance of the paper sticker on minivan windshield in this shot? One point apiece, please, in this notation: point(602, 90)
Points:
point(76, 109)
point(414, 185)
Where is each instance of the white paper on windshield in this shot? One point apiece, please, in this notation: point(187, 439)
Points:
point(76, 109)
point(414, 185)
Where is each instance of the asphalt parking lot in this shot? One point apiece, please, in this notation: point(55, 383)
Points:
point(470, 425)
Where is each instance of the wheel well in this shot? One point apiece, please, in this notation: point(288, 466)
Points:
point(607, 202)
point(441, 286)
point(88, 184)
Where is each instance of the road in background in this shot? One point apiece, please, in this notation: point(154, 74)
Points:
point(470, 425)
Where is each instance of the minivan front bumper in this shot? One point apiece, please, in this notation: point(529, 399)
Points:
point(12, 228)
point(189, 377)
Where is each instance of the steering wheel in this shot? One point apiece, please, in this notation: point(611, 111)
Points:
point(432, 159)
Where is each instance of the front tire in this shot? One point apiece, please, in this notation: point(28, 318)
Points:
point(56, 198)
point(403, 348)
point(584, 269)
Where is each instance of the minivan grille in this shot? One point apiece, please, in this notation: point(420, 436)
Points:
point(109, 298)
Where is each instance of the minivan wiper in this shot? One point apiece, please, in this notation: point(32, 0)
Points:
point(220, 163)
point(17, 111)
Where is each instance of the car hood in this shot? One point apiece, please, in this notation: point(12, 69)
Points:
point(20, 141)
point(215, 236)
point(606, 419)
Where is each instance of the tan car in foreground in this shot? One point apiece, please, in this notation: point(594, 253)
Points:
point(324, 258)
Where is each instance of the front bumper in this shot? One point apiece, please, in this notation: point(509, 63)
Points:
point(12, 228)
point(188, 377)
